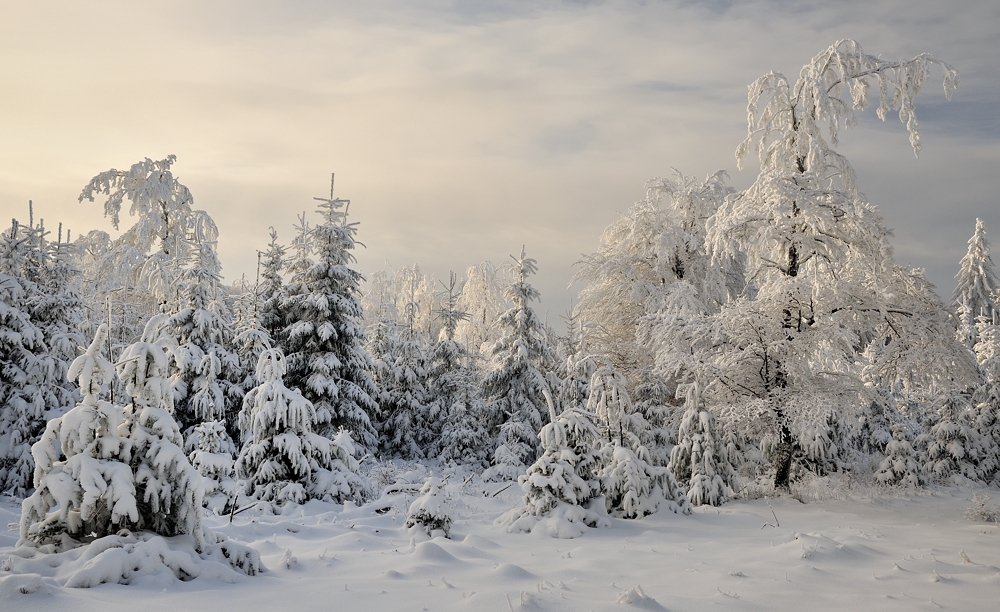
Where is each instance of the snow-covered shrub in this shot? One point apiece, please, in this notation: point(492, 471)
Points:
point(283, 460)
point(900, 464)
point(561, 488)
point(981, 511)
point(428, 511)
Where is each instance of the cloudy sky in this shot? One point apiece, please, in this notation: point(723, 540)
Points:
point(461, 130)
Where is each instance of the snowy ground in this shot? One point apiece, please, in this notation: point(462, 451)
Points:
point(890, 552)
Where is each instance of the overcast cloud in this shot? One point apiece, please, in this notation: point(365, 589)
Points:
point(461, 130)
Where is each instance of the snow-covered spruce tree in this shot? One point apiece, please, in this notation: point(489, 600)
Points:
point(323, 338)
point(123, 468)
point(408, 428)
point(659, 241)
point(562, 488)
point(117, 474)
point(818, 260)
point(250, 338)
point(952, 445)
point(92, 489)
point(214, 459)
point(978, 286)
point(900, 465)
point(700, 458)
point(22, 345)
point(514, 387)
point(428, 511)
point(169, 490)
point(271, 292)
point(283, 460)
point(205, 372)
point(454, 385)
point(56, 308)
point(632, 485)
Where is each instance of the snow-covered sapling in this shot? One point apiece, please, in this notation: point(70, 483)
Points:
point(428, 511)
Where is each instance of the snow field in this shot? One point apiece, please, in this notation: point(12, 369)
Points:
point(913, 551)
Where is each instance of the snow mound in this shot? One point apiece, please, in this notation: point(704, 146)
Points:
point(565, 521)
point(127, 558)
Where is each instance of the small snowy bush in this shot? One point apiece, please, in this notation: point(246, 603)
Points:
point(900, 464)
point(428, 511)
point(981, 511)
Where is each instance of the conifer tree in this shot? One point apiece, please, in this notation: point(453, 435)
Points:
point(515, 388)
point(700, 458)
point(206, 371)
point(978, 286)
point(323, 336)
point(560, 486)
point(633, 485)
point(103, 467)
point(22, 345)
point(900, 465)
point(283, 460)
point(455, 388)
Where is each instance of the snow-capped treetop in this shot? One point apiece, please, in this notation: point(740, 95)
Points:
point(91, 370)
point(786, 121)
point(978, 286)
point(449, 313)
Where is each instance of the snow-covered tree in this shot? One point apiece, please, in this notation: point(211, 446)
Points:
point(400, 374)
point(428, 511)
point(561, 486)
point(283, 460)
point(700, 458)
point(214, 458)
point(169, 490)
point(978, 287)
point(100, 468)
point(818, 264)
point(455, 389)
point(515, 388)
point(900, 465)
point(633, 485)
point(952, 445)
point(22, 345)
point(146, 261)
point(323, 336)
point(484, 298)
point(659, 242)
point(206, 372)
point(271, 292)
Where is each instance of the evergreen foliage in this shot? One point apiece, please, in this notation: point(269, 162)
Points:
point(323, 339)
point(283, 460)
point(515, 388)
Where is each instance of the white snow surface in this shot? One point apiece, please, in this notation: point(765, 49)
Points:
point(844, 549)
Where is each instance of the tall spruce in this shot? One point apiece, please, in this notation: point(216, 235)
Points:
point(323, 337)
